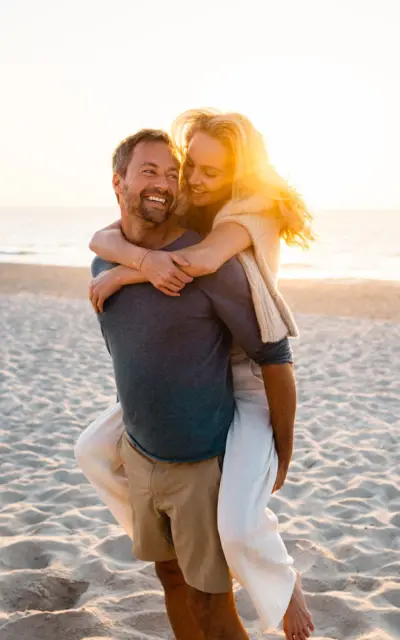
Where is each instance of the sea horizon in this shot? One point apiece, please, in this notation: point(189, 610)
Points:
point(351, 244)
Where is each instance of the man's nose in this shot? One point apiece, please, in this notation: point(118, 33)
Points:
point(161, 183)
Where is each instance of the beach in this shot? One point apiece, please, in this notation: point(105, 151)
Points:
point(66, 569)
point(373, 299)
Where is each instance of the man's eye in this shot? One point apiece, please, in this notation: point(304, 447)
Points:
point(149, 172)
point(173, 176)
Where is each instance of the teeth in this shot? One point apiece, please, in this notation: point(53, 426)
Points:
point(155, 199)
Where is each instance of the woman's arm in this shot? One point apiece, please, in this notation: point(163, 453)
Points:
point(221, 244)
point(108, 282)
point(109, 244)
point(161, 268)
point(170, 271)
point(230, 237)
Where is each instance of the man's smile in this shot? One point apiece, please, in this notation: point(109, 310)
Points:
point(157, 200)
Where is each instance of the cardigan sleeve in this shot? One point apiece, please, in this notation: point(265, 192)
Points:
point(263, 229)
point(261, 263)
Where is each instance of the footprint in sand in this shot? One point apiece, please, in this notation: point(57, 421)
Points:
point(45, 593)
point(73, 625)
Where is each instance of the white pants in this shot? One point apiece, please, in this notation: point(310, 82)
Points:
point(249, 533)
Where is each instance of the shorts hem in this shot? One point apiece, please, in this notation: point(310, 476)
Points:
point(150, 557)
point(206, 588)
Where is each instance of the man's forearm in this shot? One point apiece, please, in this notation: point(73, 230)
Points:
point(280, 388)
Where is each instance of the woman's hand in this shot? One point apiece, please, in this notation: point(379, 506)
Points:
point(103, 286)
point(160, 268)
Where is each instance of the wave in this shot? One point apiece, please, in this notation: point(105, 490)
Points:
point(19, 252)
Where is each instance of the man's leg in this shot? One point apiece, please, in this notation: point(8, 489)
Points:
point(180, 614)
point(190, 499)
point(152, 540)
point(216, 615)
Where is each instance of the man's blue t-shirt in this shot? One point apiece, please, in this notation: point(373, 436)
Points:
point(171, 358)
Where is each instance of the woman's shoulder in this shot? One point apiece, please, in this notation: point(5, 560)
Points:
point(256, 204)
point(258, 216)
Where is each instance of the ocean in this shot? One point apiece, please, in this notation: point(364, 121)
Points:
point(350, 244)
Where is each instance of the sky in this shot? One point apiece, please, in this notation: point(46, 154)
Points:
point(319, 78)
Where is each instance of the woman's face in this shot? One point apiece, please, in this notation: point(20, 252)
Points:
point(207, 170)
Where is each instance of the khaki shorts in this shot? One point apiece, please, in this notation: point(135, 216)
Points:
point(175, 516)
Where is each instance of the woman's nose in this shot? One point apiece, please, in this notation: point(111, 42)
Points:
point(194, 178)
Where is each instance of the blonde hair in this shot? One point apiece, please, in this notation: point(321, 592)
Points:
point(253, 173)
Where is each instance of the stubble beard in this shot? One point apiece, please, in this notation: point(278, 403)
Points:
point(137, 209)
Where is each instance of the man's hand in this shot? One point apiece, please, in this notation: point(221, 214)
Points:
point(161, 268)
point(103, 286)
point(280, 476)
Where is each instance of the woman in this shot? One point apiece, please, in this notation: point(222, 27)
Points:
point(231, 191)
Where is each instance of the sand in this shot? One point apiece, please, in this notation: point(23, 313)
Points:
point(377, 300)
point(66, 569)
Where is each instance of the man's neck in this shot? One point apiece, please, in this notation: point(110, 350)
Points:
point(150, 237)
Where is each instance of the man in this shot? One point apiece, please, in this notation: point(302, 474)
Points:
point(171, 360)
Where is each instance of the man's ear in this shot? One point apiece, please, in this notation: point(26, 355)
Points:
point(117, 184)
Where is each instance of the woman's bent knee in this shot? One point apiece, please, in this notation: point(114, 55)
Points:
point(88, 451)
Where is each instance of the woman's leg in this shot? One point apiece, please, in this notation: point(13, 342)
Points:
point(249, 532)
point(97, 454)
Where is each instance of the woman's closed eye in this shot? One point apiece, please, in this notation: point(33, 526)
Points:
point(210, 173)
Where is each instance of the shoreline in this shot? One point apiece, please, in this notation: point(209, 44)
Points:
point(373, 299)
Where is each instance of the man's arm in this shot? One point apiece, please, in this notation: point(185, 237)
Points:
point(230, 295)
point(280, 388)
point(98, 266)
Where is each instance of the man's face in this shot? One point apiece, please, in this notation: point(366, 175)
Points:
point(150, 188)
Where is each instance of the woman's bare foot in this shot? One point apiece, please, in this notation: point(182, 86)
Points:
point(297, 621)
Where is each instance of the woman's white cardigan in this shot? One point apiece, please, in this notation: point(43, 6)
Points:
point(260, 263)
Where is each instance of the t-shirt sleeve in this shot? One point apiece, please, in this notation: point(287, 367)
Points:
point(99, 265)
point(229, 293)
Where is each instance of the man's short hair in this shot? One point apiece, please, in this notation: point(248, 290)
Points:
point(123, 153)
